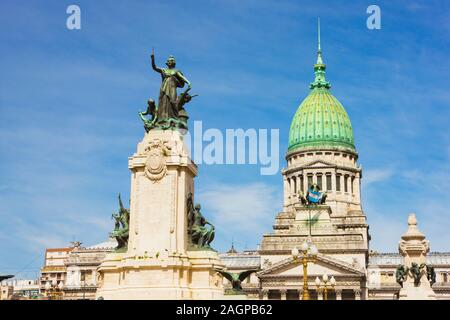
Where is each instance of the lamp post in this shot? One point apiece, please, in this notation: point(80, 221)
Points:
point(326, 282)
point(308, 254)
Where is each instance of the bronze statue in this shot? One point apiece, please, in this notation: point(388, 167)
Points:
point(151, 110)
point(400, 274)
point(236, 279)
point(431, 274)
point(313, 196)
point(416, 272)
point(121, 227)
point(200, 236)
point(169, 113)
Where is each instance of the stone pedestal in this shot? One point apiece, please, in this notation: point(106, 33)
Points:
point(157, 263)
point(414, 248)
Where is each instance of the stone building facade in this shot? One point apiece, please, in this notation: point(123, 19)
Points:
point(82, 263)
point(321, 151)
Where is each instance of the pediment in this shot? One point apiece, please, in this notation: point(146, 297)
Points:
point(322, 264)
point(319, 164)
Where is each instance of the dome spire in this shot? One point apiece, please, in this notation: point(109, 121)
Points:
point(319, 50)
point(319, 67)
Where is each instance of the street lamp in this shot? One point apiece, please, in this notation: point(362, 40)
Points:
point(326, 282)
point(308, 254)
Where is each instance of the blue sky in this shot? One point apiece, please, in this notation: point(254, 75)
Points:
point(69, 102)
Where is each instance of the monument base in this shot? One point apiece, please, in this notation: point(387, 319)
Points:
point(171, 277)
point(411, 292)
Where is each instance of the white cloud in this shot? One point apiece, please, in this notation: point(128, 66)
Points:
point(241, 211)
point(376, 175)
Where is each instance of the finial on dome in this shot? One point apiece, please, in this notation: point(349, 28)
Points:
point(319, 67)
point(319, 50)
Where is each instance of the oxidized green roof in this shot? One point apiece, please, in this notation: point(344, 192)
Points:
point(320, 120)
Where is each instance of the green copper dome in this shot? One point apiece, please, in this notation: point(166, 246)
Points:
point(321, 120)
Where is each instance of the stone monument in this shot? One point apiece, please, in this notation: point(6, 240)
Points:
point(164, 240)
point(415, 276)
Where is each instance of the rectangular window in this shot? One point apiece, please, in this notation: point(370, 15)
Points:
point(310, 180)
point(301, 183)
point(345, 183)
point(328, 181)
point(319, 181)
point(338, 182)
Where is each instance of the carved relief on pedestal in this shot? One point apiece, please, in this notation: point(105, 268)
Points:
point(155, 165)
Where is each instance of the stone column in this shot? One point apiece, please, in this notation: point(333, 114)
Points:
point(333, 182)
point(349, 188)
point(289, 181)
point(338, 294)
point(357, 187)
point(94, 277)
point(292, 183)
point(265, 294)
point(286, 190)
point(298, 181)
point(283, 294)
point(341, 178)
point(314, 179)
point(357, 294)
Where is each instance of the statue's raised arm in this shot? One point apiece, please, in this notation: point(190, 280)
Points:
point(153, 62)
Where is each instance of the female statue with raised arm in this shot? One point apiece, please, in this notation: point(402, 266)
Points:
point(172, 79)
